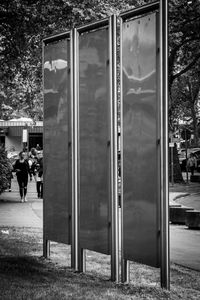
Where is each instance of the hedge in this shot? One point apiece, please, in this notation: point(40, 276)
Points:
point(5, 170)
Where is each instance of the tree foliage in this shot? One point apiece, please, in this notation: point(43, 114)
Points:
point(5, 170)
point(24, 23)
point(184, 36)
point(185, 100)
point(184, 60)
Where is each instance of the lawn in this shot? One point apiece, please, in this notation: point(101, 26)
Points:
point(25, 274)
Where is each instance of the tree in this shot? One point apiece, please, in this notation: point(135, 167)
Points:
point(5, 170)
point(185, 96)
point(184, 35)
point(184, 50)
point(23, 25)
point(184, 55)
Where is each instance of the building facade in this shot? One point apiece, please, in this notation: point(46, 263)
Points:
point(11, 135)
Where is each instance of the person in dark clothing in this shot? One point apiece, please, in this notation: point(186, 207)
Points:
point(40, 178)
point(192, 163)
point(37, 169)
point(21, 167)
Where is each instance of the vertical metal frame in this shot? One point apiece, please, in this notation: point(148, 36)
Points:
point(46, 243)
point(114, 149)
point(124, 263)
point(111, 24)
point(165, 257)
point(73, 64)
point(163, 91)
point(79, 261)
point(46, 41)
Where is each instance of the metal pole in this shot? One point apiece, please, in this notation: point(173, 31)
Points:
point(82, 260)
point(114, 158)
point(74, 113)
point(46, 248)
point(165, 259)
point(186, 155)
point(72, 146)
point(28, 136)
point(172, 163)
point(80, 253)
point(125, 270)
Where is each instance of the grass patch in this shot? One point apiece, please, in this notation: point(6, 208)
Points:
point(25, 274)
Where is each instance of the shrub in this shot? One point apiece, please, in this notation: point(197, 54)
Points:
point(5, 170)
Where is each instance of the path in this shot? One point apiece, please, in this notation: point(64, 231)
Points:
point(184, 243)
point(15, 213)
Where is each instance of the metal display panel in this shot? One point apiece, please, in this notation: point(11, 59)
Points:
point(57, 140)
point(140, 134)
point(94, 139)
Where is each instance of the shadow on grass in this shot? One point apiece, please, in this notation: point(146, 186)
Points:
point(38, 269)
point(25, 268)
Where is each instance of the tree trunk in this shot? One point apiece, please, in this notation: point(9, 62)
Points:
point(177, 174)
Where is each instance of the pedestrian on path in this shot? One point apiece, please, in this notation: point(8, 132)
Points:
point(21, 167)
point(37, 169)
point(192, 163)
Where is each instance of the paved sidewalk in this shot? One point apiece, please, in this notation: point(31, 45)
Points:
point(185, 246)
point(184, 243)
point(15, 213)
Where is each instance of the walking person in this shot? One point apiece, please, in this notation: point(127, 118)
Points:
point(21, 167)
point(39, 184)
point(192, 163)
point(38, 175)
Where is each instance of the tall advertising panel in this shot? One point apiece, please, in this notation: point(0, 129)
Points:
point(140, 140)
point(94, 140)
point(85, 128)
point(57, 141)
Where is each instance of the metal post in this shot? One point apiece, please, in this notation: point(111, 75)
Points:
point(82, 260)
point(80, 253)
point(46, 243)
point(186, 155)
point(46, 248)
point(74, 124)
point(125, 270)
point(114, 159)
point(172, 163)
point(165, 259)
point(27, 143)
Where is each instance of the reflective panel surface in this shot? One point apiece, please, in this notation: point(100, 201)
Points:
point(57, 164)
point(140, 133)
point(94, 136)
